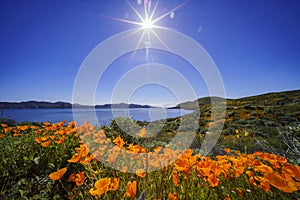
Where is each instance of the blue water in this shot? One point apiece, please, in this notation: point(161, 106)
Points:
point(104, 116)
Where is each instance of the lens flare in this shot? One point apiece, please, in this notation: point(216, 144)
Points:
point(147, 22)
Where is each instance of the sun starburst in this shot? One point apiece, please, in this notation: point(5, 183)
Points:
point(147, 23)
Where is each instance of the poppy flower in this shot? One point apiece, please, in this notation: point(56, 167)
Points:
point(114, 184)
point(130, 189)
point(135, 148)
point(46, 123)
point(264, 183)
point(79, 178)
point(3, 125)
point(83, 149)
point(58, 174)
point(142, 133)
point(279, 182)
point(46, 144)
point(101, 186)
point(87, 160)
point(240, 192)
point(173, 196)
point(140, 173)
point(292, 171)
point(213, 180)
point(7, 129)
point(124, 170)
point(71, 178)
point(227, 150)
point(175, 178)
point(181, 165)
point(119, 142)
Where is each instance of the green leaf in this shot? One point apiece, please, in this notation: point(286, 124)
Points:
point(25, 158)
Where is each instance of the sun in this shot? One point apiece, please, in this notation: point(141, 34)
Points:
point(147, 24)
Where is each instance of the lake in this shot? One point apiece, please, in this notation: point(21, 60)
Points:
point(103, 115)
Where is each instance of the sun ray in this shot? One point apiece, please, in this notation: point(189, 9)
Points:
point(167, 13)
point(153, 11)
point(126, 21)
point(147, 25)
point(146, 14)
point(157, 36)
point(135, 11)
point(133, 32)
point(137, 46)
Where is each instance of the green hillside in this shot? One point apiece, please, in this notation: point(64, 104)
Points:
point(267, 122)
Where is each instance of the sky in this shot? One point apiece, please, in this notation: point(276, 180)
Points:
point(254, 45)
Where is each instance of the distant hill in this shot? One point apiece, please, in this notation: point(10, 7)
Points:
point(123, 105)
point(59, 104)
point(265, 111)
point(192, 105)
point(34, 104)
point(268, 99)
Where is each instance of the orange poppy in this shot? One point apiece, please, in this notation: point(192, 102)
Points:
point(213, 180)
point(263, 169)
point(119, 142)
point(227, 150)
point(38, 140)
point(87, 160)
point(135, 148)
point(52, 137)
point(251, 180)
point(23, 128)
point(79, 178)
point(46, 123)
point(227, 198)
point(124, 170)
point(101, 186)
point(114, 184)
point(130, 189)
point(75, 158)
point(142, 133)
point(7, 129)
point(157, 149)
point(71, 178)
point(140, 173)
point(175, 178)
point(292, 171)
point(83, 149)
point(58, 174)
point(72, 123)
point(240, 192)
point(46, 144)
point(181, 165)
point(264, 183)
point(279, 182)
point(3, 125)
point(173, 196)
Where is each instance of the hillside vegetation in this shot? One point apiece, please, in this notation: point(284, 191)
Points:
point(256, 155)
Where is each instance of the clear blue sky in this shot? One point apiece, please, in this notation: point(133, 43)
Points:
point(255, 45)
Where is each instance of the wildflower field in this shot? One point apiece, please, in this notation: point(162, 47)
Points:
point(65, 161)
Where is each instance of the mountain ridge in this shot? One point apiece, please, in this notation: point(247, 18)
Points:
point(32, 104)
point(269, 98)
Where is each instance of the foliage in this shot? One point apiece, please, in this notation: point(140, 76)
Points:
point(61, 161)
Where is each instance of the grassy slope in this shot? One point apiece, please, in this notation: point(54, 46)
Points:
point(267, 118)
